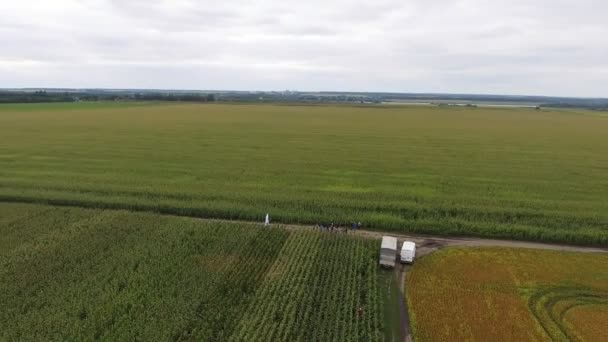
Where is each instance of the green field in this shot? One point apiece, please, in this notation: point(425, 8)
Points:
point(86, 274)
point(506, 173)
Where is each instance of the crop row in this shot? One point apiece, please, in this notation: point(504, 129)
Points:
point(91, 274)
point(448, 219)
point(83, 274)
point(314, 291)
point(493, 173)
point(550, 305)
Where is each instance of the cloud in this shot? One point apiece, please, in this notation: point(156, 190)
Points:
point(555, 47)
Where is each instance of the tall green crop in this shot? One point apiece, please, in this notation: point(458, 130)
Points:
point(502, 173)
point(81, 274)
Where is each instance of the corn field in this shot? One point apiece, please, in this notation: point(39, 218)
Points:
point(500, 173)
point(83, 274)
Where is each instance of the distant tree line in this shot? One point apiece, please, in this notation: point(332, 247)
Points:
point(33, 97)
point(599, 106)
point(174, 97)
point(75, 95)
point(40, 96)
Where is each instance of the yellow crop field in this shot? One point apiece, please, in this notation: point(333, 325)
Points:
point(588, 323)
point(503, 294)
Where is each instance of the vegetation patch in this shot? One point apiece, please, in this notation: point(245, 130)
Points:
point(587, 322)
point(502, 294)
point(85, 274)
point(550, 306)
point(503, 173)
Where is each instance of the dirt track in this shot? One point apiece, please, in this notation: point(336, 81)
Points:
point(429, 244)
point(426, 244)
point(404, 318)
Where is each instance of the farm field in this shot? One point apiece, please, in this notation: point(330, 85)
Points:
point(488, 172)
point(83, 274)
point(501, 294)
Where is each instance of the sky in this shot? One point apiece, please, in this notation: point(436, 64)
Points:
point(518, 47)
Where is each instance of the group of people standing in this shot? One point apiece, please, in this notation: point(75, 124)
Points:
point(326, 227)
point(337, 227)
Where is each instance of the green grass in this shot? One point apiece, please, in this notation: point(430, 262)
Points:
point(503, 173)
point(392, 301)
point(87, 274)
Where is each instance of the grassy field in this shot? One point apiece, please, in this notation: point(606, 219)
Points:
point(506, 173)
point(86, 274)
point(499, 294)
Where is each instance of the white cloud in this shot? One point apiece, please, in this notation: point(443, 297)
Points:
point(552, 47)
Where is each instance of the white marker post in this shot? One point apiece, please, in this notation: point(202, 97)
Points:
point(267, 221)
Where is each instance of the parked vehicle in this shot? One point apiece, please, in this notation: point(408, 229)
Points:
point(388, 251)
point(408, 252)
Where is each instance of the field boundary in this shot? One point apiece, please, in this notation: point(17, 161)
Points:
point(427, 243)
point(544, 305)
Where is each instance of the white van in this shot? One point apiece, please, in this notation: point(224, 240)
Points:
point(388, 251)
point(408, 252)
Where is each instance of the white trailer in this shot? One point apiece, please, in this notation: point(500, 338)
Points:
point(408, 252)
point(388, 251)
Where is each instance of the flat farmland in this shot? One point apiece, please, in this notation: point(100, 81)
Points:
point(87, 274)
point(501, 173)
point(502, 294)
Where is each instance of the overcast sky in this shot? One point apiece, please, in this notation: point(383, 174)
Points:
point(536, 47)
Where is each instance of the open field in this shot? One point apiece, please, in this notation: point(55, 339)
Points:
point(502, 294)
point(502, 173)
point(74, 273)
point(83, 274)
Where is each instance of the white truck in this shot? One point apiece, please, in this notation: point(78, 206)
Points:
point(408, 252)
point(388, 251)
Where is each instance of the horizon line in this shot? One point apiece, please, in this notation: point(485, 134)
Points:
point(300, 91)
